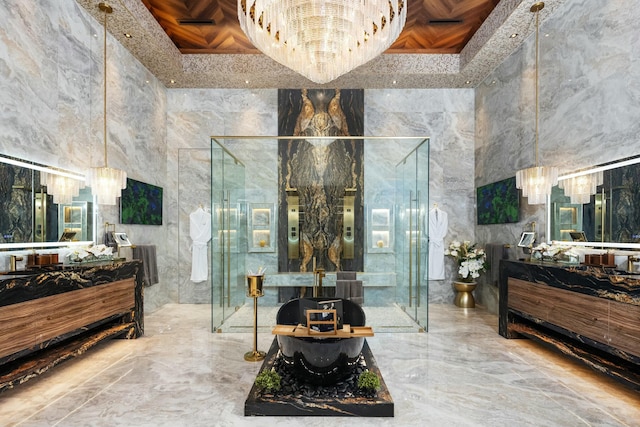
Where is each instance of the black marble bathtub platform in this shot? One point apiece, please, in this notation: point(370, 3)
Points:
point(258, 404)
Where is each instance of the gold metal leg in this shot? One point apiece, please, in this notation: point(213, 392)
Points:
point(255, 355)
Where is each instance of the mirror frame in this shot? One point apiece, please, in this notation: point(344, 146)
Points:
point(4, 158)
point(613, 165)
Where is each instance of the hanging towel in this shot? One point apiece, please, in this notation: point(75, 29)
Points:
point(200, 233)
point(147, 254)
point(438, 227)
point(109, 240)
point(495, 252)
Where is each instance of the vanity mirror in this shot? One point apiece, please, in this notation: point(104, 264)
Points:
point(611, 217)
point(29, 216)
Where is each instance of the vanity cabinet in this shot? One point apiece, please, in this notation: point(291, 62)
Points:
point(50, 317)
point(584, 312)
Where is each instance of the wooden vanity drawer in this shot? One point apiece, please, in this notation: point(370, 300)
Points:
point(624, 327)
point(27, 324)
point(582, 314)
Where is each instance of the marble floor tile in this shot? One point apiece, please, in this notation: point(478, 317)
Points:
point(460, 373)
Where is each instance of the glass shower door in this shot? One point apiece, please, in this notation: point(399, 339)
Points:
point(412, 186)
point(228, 231)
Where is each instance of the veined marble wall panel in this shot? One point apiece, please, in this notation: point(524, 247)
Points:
point(447, 117)
point(193, 116)
point(51, 80)
point(589, 104)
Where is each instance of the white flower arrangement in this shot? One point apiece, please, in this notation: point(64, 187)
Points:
point(91, 253)
point(471, 260)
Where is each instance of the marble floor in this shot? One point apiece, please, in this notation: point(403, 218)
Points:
point(460, 373)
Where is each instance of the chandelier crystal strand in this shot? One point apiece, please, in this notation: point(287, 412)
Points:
point(322, 39)
point(106, 183)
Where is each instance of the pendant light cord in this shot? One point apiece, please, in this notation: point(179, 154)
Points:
point(536, 78)
point(107, 9)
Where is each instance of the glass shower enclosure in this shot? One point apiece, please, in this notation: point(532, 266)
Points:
point(395, 194)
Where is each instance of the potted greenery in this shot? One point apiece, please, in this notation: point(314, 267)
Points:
point(369, 383)
point(268, 381)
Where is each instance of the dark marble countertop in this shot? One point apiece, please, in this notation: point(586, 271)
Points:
point(602, 282)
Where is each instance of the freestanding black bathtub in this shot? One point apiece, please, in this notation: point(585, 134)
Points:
point(325, 359)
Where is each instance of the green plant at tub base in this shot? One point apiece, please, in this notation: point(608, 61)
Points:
point(369, 382)
point(268, 381)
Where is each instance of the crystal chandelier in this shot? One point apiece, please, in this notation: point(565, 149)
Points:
point(62, 188)
point(580, 188)
point(106, 183)
point(322, 39)
point(536, 182)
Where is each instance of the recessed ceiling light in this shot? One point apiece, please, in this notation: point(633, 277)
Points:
point(513, 36)
point(172, 81)
point(395, 82)
point(246, 81)
point(468, 82)
point(127, 35)
point(196, 21)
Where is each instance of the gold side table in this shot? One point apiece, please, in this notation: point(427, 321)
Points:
point(464, 297)
point(254, 290)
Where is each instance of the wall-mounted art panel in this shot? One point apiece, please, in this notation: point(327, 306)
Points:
point(325, 173)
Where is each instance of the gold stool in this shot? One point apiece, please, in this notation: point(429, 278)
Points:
point(464, 296)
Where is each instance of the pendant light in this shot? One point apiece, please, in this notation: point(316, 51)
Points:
point(580, 188)
point(106, 183)
point(536, 182)
point(322, 39)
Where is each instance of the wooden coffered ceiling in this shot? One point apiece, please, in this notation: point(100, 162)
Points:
point(211, 26)
point(445, 44)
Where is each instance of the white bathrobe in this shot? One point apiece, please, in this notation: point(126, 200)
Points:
point(200, 232)
point(438, 225)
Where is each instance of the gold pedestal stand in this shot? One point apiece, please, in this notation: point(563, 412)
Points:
point(254, 289)
point(464, 297)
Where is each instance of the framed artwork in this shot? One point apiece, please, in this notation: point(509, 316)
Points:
point(141, 203)
point(498, 202)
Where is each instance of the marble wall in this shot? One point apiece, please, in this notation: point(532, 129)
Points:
point(589, 95)
point(445, 115)
point(51, 80)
